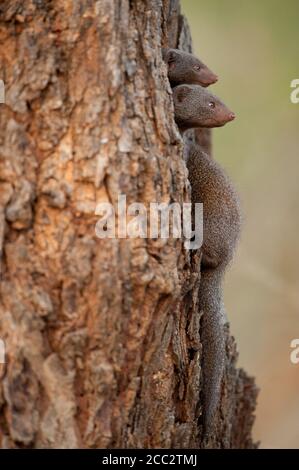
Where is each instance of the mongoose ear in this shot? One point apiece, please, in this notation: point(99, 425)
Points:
point(182, 92)
point(171, 56)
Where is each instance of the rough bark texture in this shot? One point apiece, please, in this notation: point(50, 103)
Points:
point(102, 336)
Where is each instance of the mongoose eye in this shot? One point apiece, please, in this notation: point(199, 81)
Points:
point(212, 104)
point(196, 67)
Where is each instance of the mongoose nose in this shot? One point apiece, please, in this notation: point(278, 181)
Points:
point(232, 116)
point(215, 78)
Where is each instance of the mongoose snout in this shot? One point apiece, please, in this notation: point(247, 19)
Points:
point(206, 78)
point(186, 68)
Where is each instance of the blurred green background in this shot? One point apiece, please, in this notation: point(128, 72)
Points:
point(254, 48)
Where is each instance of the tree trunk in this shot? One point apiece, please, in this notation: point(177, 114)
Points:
point(102, 336)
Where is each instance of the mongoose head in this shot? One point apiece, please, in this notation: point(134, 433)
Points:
point(194, 106)
point(186, 68)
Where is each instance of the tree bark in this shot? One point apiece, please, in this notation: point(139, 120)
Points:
point(102, 335)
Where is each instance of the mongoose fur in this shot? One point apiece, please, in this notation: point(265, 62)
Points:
point(186, 68)
point(221, 228)
point(196, 107)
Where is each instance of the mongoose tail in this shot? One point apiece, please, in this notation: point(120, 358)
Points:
point(213, 341)
point(186, 68)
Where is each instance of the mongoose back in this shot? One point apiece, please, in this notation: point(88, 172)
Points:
point(196, 107)
point(186, 68)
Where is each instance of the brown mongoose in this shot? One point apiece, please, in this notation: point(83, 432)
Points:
point(196, 107)
point(221, 228)
point(186, 68)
